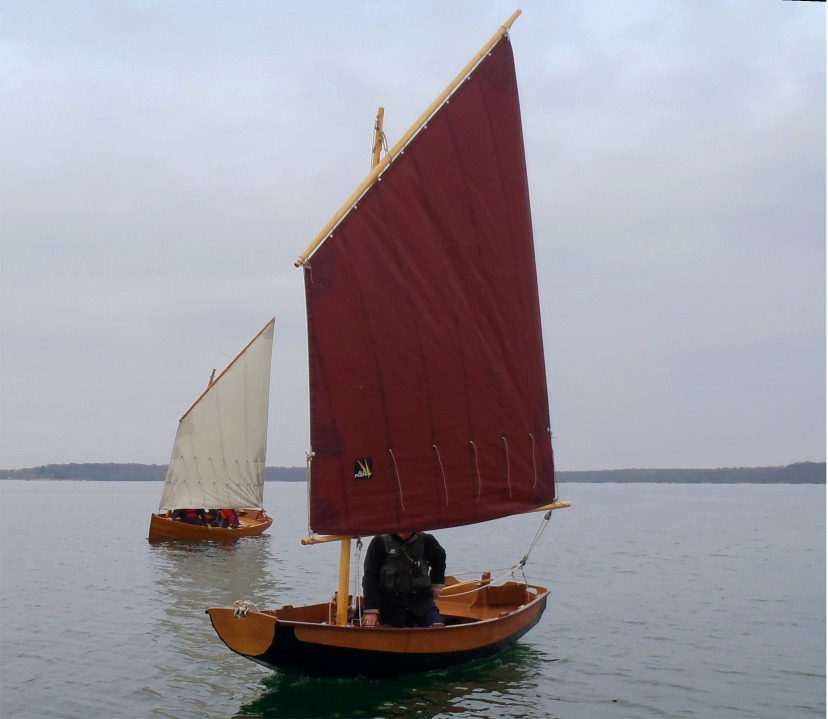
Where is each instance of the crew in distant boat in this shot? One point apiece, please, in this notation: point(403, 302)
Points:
point(403, 574)
point(190, 516)
point(227, 518)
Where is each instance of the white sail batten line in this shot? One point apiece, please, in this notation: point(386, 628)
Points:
point(397, 475)
point(224, 371)
point(403, 141)
point(534, 463)
point(508, 466)
point(477, 471)
point(442, 471)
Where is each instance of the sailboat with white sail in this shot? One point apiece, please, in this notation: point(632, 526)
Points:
point(428, 395)
point(218, 457)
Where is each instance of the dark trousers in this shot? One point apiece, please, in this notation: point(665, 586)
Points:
point(402, 616)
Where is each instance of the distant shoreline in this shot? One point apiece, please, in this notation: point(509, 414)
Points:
point(799, 473)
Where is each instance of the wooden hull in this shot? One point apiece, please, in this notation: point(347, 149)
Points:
point(303, 639)
point(253, 522)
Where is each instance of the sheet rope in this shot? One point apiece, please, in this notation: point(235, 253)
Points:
point(510, 572)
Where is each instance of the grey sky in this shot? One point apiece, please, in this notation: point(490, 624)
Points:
point(163, 164)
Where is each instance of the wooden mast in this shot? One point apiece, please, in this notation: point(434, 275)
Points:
point(403, 141)
point(345, 543)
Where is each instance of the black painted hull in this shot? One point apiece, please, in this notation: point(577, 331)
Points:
point(287, 652)
point(318, 648)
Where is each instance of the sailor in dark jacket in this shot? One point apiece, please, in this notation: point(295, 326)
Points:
point(403, 573)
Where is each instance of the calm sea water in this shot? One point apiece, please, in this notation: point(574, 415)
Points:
point(667, 601)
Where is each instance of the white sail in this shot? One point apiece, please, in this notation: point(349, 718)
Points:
point(218, 459)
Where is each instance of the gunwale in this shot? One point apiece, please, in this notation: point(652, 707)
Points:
point(253, 522)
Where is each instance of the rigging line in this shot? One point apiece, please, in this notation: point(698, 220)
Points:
point(534, 463)
point(383, 143)
point(508, 468)
point(397, 475)
point(476, 470)
point(443, 472)
point(356, 605)
point(474, 573)
point(491, 582)
point(554, 473)
point(308, 460)
point(544, 523)
point(247, 478)
point(258, 479)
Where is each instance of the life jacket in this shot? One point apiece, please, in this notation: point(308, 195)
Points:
point(404, 569)
point(190, 514)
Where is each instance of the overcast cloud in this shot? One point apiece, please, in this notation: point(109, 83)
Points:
point(164, 163)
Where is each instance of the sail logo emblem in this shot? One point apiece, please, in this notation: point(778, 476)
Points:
point(364, 468)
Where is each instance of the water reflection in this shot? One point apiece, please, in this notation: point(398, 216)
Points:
point(500, 686)
point(189, 577)
point(215, 572)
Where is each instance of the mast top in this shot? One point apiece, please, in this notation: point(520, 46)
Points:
point(380, 166)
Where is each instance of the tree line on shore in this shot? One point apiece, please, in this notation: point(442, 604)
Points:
point(799, 473)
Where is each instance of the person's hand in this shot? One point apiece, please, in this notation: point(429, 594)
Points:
point(370, 620)
point(436, 591)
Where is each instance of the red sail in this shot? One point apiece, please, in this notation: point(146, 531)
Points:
point(428, 390)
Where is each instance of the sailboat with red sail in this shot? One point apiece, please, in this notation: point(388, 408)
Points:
point(428, 395)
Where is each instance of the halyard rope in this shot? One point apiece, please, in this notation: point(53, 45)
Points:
point(356, 605)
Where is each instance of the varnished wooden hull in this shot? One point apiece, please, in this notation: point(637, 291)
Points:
point(252, 523)
point(302, 639)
